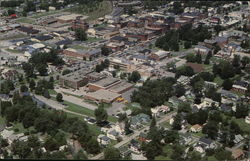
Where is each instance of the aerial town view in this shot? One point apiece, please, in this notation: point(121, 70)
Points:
point(125, 80)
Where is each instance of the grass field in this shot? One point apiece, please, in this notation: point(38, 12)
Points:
point(79, 47)
point(38, 15)
point(93, 39)
point(52, 92)
point(103, 9)
point(82, 110)
point(20, 128)
point(25, 20)
point(14, 51)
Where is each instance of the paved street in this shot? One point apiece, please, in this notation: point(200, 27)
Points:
point(136, 133)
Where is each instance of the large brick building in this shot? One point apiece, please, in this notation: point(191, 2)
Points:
point(79, 78)
point(87, 54)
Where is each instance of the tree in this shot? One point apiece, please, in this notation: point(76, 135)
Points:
point(222, 154)
point(101, 114)
point(66, 71)
point(152, 149)
point(23, 88)
point(211, 129)
point(247, 93)
point(218, 28)
point(42, 69)
point(178, 152)
point(177, 122)
point(241, 110)
point(187, 44)
point(46, 94)
point(111, 153)
point(28, 69)
point(59, 97)
point(92, 146)
point(227, 84)
point(16, 97)
point(207, 60)
point(32, 84)
point(134, 77)
point(81, 155)
point(98, 68)
point(198, 58)
point(51, 79)
point(244, 61)
point(179, 90)
point(105, 51)
point(236, 61)
point(171, 136)
point(80, 35)
point(127, 127)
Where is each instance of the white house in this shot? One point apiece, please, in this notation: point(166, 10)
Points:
point(196, 128)
point(113, 134)
point(247, 119)
point(103, 140)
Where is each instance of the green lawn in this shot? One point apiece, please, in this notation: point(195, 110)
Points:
point(218, 80)
point(72, 94)
point(199, 134)
point(93, 39)
point(52, 92)
point(166, 124)
point(13, 51)
point(38, 15)
point(208, 67)
point(82, 110)
point(103, 9)
point(243, 125)
point(79, 47)
point(16, 36)
point(20, 128)
point(25, 20)
point(2, 120)
point(79, 109)
point(211, 158)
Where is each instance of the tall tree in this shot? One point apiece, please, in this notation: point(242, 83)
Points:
point(111, 153)
point(80, 35)
point(101, 114)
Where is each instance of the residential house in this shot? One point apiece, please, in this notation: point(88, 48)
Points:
point(138, 120)
point(247, 119)
point(201, 49)
point(186, 139)
point(196, 128)
point(159, 55)
point(135, 146)
point(196, 67)
point(184, 80)
point(112, 134)
point(240, 86)
point(238, 138)
point(238, 154)
point(103, 140)
point(160, 109)
point(125, 151)
point(204, 144)
point(143, 137)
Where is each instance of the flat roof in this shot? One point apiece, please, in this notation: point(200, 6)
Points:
point(121, 86)
point(103, 94)
point(105, 82)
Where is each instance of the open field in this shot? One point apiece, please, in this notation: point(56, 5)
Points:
point(25, 20)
